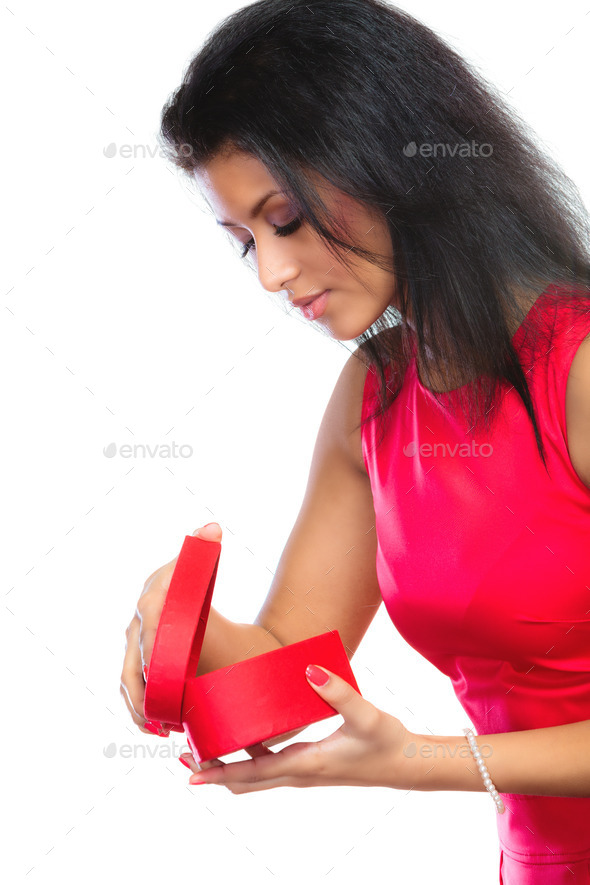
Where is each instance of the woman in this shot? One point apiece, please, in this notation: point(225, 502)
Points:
point(370, 175)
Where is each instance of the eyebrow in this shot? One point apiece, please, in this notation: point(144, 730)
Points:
point(255, 211)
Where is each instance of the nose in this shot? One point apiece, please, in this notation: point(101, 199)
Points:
point(276, 268)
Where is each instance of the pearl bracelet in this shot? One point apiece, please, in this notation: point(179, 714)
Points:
point(500, 807)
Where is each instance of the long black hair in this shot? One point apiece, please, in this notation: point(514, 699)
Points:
point(363, 95)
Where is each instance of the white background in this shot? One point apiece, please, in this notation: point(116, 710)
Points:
point(126, 318)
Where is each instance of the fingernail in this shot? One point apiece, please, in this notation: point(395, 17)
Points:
point(145, 672)
point(156, 728)
point(184, 762)
point(316, 675)
point(195, 783)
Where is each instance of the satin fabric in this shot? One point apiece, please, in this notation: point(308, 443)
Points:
point(483, 561)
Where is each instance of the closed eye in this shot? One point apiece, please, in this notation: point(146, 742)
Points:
point(279, 232)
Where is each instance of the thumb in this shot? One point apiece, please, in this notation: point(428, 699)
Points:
point(209, 532)
point(339, 694)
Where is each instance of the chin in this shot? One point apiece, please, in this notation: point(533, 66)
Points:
point(344, 330)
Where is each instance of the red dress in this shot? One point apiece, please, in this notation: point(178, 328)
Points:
point(483, 562)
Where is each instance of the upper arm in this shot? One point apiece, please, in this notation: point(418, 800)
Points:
point(326, 578)
point(577, 411)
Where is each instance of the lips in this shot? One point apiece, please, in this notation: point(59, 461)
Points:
point(315, 309)
point(303, 302)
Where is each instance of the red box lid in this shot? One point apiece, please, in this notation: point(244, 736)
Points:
point(181, 629)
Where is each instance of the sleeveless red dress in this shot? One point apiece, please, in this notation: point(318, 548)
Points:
point(483, 562)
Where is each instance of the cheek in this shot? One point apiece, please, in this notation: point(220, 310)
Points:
point(355, 218)
point(364, 230)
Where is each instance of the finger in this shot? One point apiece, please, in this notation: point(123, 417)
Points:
point(148, 616)
point(296, 765)
point(132, 683)
point(358, 713)
point(189, 760)
point(210, 532)
point(281, 738)
point(138, 720)
point(258, 750)
point(259, 786)
point(235, 787)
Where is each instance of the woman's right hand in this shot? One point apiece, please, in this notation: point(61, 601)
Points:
point(141, 633)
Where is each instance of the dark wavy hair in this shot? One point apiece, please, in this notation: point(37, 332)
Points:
point(360, 94)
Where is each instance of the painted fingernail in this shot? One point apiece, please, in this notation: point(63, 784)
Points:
point(195, 783)
point(184, 762)
point(156, 728)
point(316, 675)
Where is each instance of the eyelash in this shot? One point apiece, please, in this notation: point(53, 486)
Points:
point(279, 232)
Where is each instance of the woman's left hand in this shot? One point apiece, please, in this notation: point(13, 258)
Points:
point(366, 751)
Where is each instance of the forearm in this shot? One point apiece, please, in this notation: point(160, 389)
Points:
point(541, 762)
point(226, 642)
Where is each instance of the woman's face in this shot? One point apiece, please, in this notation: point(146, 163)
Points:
point(296, 260)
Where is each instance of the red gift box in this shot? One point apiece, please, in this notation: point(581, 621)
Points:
point(239, 705)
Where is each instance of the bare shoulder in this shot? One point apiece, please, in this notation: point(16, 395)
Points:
point(341, 427)
point(346, 405)
point(577, 411)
